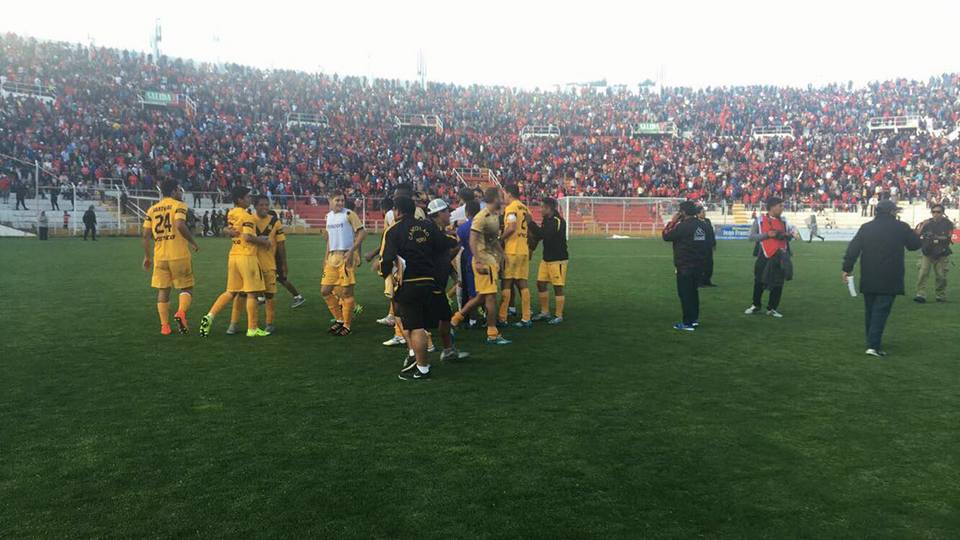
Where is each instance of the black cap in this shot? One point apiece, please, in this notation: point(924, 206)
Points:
point(887, 207)
point(689, 208)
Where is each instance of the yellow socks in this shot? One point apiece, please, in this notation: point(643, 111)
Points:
point(525, 311)
point(333, 304)
point(238, 304)
point(252, 315)
point(560, 302)
point(456, 319)
point(163, 308)
point(504, 304)
point(185, 299)
point(347, 308)
point(492, 332)
point(271, 310)
point(220, 303)
point(397, 328)
point(544, 298)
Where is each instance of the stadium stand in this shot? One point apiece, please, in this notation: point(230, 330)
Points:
point(94, 116)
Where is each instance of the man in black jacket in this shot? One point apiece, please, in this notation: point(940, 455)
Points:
point(553, 267)
point(689, 237)
point(935, 238)
point(90, 223)
point(879, 244)
point(413, 247)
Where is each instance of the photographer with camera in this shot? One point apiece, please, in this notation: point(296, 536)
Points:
point(935, 239)
point(772, 235)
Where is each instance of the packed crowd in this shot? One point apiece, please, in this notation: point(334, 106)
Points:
point(96, 129)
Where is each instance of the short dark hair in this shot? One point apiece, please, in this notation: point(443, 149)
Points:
point(472, 207)
point(239, 192)
point(168, 186)
point(405, 206)
point(689, 208)
point(386, 204)
point(406, 188)
point(550, 203)
point(491, 194)
point(466, 194)
point(938, 205)
point(259, 198)
point(513, 190)
point(773, 201)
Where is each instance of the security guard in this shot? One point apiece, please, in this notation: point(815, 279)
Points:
point(935, 238)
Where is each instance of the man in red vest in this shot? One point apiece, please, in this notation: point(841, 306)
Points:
point(772, 235)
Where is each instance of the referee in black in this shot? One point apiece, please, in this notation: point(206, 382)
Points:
point(413, 246)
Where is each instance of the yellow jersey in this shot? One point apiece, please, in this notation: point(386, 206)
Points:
point(243, 222)
point(488, 251)
point(161, 221)
point(516, 212)
point(270, 227)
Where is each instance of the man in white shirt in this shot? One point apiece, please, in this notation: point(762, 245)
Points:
point(345, 234)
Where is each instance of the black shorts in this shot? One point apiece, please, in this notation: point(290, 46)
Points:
point(421, 305)
point(281, 277)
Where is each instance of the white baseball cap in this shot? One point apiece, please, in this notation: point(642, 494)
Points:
point(436, 206)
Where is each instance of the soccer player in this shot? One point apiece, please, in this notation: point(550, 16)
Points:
point(553, 266)
point(345, 234)
point(517, 264)
point(166, 225)
point(468, 288)
point(487, 255)
point(243, 268)
point(269, 227)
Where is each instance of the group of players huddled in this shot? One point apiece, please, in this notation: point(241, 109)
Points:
point(483, 245)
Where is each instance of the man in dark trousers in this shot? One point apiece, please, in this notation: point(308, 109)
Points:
point(412, 246)
point(21, 196)
point(711, 246)
point(772, 236)
point(689, 237)
point(54, 198)
point(936, 235)
point(879, 244)
point(90, 223)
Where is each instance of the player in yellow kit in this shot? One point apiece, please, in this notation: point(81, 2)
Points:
point(243, 268)
point(516, 267)
point(269, 227)
point(166, 225)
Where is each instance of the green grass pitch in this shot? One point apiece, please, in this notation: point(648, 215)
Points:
point(611, 425)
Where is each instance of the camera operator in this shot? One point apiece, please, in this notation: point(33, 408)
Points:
point(935, 239)
point(772, 235)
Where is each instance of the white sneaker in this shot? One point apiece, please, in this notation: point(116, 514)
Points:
point(394, 341)
point(774, 313)
point(874, 352)
point(389, 320)
point(297, 301)
point(751, 310)
point(555, 320)
point(231, 330)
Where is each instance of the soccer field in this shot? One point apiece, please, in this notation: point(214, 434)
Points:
point(611, 425)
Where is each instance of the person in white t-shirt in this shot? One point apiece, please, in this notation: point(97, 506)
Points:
point(345, 234)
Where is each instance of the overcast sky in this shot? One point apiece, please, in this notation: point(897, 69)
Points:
point(532, 43)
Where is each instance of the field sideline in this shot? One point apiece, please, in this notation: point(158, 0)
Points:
point(611, 425)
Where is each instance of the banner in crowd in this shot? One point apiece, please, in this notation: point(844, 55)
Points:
point(161, 99)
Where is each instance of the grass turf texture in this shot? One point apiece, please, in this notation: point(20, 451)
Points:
point(609, 425)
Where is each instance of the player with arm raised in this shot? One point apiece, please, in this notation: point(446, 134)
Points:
point(165, 224)
point(243, 268)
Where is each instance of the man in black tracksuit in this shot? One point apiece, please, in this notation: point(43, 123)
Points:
point(689, 237)
point(413, 246)
point(879, 245)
